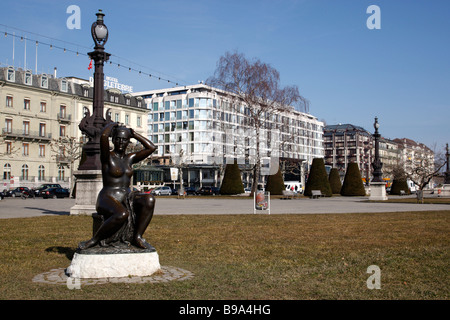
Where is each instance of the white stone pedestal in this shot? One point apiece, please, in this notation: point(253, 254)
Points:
point(89, 184)
point(117, 265)
point(378, 191)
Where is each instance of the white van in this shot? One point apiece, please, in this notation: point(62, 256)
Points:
point(412, 186)
point(294, 186)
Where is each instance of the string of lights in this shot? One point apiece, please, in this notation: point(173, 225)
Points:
point(66, 48)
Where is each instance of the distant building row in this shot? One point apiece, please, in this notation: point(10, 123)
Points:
point(346, 143)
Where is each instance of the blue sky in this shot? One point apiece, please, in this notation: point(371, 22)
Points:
point(349, 73)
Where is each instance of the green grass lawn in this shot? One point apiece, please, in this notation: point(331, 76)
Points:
point(288, 257)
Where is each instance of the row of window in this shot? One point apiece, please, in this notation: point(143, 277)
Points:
point(219, 104)
point(28, 79)
point(26, 129)
point(25, 172)
point(25, 149)
point(42, 106)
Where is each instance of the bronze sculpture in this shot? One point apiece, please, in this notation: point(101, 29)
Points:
point(125, 213)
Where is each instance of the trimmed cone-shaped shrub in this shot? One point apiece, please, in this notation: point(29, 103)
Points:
point(275, 183)
point(318, 179)
point(353, 184)
point(399, 184)
point(335, 181)
point(232, 182)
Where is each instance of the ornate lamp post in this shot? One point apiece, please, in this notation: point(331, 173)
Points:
point(92, 125)
point(377, 165)
point(89, 176)
point(377, 185)
point(447, 171)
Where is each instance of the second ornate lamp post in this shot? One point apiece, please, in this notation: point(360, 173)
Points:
point(377, 164)
point(92, 125)
point(377, 185)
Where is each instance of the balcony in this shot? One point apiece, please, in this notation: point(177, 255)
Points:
point(26, 136)
point(64, 117)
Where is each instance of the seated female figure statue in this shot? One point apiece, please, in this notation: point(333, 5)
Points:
point(126, 214)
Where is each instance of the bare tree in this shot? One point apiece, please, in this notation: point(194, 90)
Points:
point(425, 168)
point(66, 150)
point(257, 86)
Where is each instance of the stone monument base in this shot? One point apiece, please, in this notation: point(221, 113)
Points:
point(89, 184)
point(378, 191)
point(113, 265)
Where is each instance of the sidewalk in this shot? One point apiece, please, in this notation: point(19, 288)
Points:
point(20, 208)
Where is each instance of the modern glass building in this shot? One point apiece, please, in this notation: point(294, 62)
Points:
point(204, 127)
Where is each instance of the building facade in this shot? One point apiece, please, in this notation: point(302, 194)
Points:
point(208, 128)
point(37, 109)
point(347, 143)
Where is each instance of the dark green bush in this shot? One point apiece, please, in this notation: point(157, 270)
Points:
point(399, 184)
point(353, 184)
point(232, 182)
point(275, 183)
point(335, 181)
point(318, 179)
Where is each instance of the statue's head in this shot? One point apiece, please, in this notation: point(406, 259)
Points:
point(121, 138)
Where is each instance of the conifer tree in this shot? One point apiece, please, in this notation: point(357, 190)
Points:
point(232, 182)
point(335, 181)
point(275, 183)
point(318, 179)
point(353, 184)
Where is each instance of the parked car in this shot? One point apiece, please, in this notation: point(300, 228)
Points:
point(189, 190)
point(17, 192)
point(2, 195)
point(45, 186)
point(162, 191)
point(55, 193)
point(208, 191)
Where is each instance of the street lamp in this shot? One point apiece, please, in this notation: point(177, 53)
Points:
point(377, 165)
point(92, 125)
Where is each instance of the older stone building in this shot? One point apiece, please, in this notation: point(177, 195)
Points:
point(36, 109)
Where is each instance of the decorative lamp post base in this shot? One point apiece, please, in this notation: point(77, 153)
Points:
point(378, 191)
point(88, 185)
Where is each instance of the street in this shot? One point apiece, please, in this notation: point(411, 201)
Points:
point(21, 208)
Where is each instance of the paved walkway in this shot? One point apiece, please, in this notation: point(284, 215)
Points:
point(20, 208)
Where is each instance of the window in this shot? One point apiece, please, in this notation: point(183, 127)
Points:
point(155, 106)
point(60, 173)
point(62, 111)
point(11, 74)
point(62, 131)
point(127, 119)
point(44, 81)
point(64, 85)
point(8, 125)
point(41, 173)
point(8, 147)
point(26, 104)
point(28, 78)
point(25, 149)
point(42, 150)
point(43, 107)
point(138, 121)
point(9, 101)
point(25, 172)
point(7, 171)
point(116, 117)
point(26, 127)
point(42, 128)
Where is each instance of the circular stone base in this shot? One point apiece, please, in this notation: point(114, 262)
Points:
point(86, 266)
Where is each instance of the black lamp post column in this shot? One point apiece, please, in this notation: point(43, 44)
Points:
point(92, 125)
point(447, 171)
point(377, 165)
